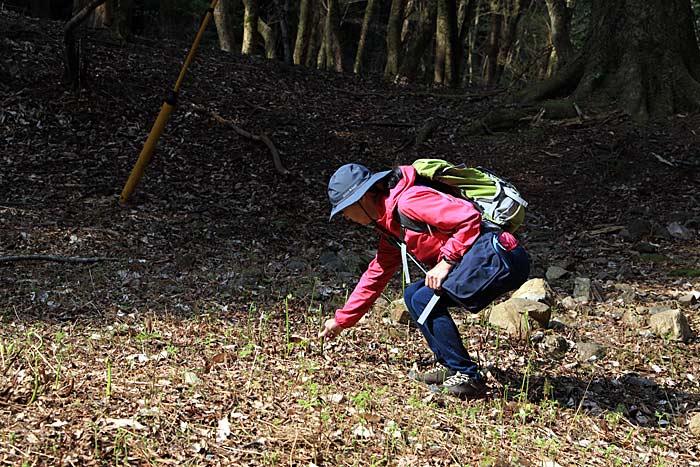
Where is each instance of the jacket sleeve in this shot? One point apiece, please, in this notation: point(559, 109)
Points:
point(455, 216)
point(371, 285)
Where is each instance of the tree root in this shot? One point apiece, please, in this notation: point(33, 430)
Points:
point(260, 138)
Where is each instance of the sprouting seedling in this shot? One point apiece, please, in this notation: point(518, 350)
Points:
point(286, 323)
point(108, 391)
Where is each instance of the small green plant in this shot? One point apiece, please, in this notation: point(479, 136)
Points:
point(108, 390)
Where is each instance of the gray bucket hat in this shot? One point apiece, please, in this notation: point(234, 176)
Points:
point(349, 183)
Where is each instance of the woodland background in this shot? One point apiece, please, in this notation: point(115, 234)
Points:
point(187, 336)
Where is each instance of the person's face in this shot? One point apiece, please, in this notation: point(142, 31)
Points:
point(356, 213)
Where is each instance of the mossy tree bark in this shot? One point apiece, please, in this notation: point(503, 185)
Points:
point(494, 45)
point(560, 32)
point(366, 21)
point(393, 39)
point(334, 54)
point(446, 43)
point(640, 55)
point(421, 37)
point(269, 37)
point(250, 27)
point(304, 30)
point(224, 18)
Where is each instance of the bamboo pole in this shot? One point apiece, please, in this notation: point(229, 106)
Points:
point(164, 114)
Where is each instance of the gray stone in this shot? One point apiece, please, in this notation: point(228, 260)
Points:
point(398, 312)
point(646, 247)
point(694, 425)
point(678, 231)
point(638, 229)
point(582, 289)
point(539, 312)
point(536, 290)
point(688, 299)
point(509, 317)
point(627, 293)
point(632, 318)
point(589, 351)
point(569, 303)
point(555, 272)
point(660, 309)
point(639, 381)
point(671, 323)
point(555, 344)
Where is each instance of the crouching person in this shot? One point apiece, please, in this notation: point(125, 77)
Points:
point(470, 263)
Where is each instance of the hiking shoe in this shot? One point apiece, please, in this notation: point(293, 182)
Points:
point(462, 386)
point(436, 376)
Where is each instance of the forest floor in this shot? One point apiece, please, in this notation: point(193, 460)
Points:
point(193, 341)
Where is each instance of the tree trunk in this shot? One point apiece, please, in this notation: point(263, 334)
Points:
point(71, 54)
point(283, 13)
point(560, 32)
point(393, 39)
point(512, 12)
point(270, 37)
point(369, 11)
point(640, 55)
point(334, 54)
point(446, 48)
point(418, 42)
point(224, 18)
point(250, 26)
point(472, 46)
point(303, 32)
point(491, 65)
point(117, 15)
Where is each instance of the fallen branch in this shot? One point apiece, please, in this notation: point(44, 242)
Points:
point(55, 259)
point(260, 138)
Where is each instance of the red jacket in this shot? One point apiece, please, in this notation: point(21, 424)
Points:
point(458, 225)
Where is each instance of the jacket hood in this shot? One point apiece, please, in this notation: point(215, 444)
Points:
point(407, 181)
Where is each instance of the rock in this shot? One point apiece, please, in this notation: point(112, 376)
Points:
point(639, 228)
point(536, 290)
point(582, 289)
point(659, 309)
point(554, 344)
point(508, 316)
point(688, 299)
point(678, 231)
point(646, 247)
point(639, 381)
point(555, 272)
point(627, 293)
point(589, 351)
point(694, 425)
point(671, 323)
point(633, 318)
point(399, 313)
point(569, 303)
point(539, 312)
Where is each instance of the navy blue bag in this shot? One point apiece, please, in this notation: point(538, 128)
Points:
point(485, 272)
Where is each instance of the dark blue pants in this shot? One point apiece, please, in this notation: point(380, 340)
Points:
point(439, 329)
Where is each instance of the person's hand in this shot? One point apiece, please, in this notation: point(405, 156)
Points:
point(330, 329)
point(436, 276)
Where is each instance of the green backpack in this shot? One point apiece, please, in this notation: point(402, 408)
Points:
point(498, 200)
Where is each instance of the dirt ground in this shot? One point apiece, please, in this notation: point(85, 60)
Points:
point(214, 278)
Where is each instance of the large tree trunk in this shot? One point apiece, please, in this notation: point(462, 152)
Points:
point(491, 65)
point(224, 18)
point(393, 39)
point(640, 55)
point(512, 12)
point(283, 13)
point(560, 32)
point(304, 30)
point(270, 37)
point(472, 55)
point(422, 36)
point(250, 26)
point(446, 46)
point(369, 11)
point(334, 54)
